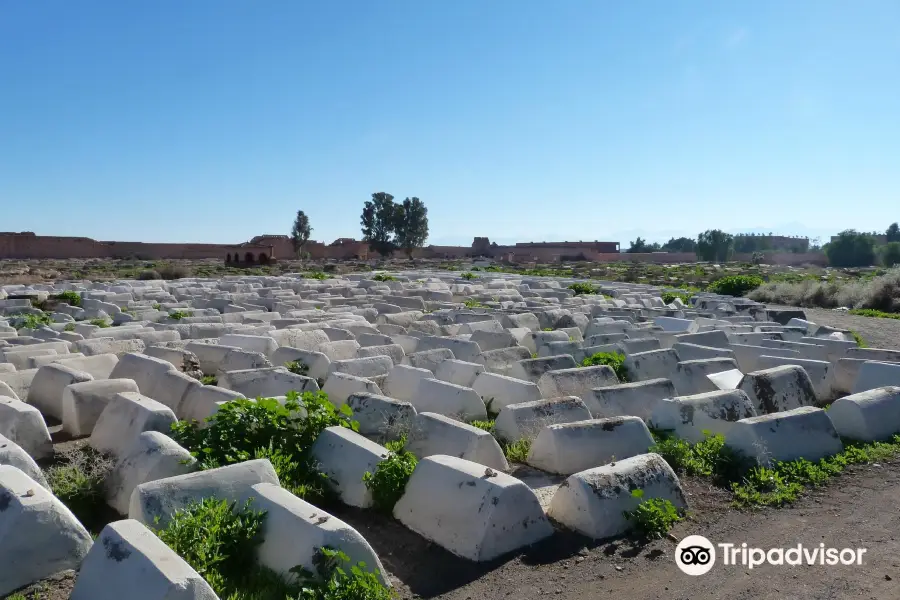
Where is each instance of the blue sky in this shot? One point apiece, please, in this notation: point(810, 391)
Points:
point(215, 120)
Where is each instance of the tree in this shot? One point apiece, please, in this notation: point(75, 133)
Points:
point(890, 254)
point(410, 225)
point(714, 245)
point(378, 219)
point(638, 246)
point(893, 233)
point(851, 249)
point(682, 244)
point(300, 232)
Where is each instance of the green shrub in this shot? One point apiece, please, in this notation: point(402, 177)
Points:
point(297, 367)
point(654, 517)
point(614, 360)
point(102, 323)
point(669, 297)
point(69, 297)
point(242, 429)
point(860, 342)
point(77, 478)
point(388, 482)
point(169, 272)
point(469, 276)
point(890, 254)
point(180, 314)
point(735, 285)
point(707, 458)
point(33, 321)
point(209, 380)
point(470, 303)
point(69, 327)
point(517, 451)
point(333, 582)
point(148, 275)
point(157, 306)
point(869, 312)
point(851, 249)
point(315, 275)
point(484, 425)
point(583, 288)
point(384, 277)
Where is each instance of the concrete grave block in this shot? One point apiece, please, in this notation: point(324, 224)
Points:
point(345, 456)
point(637, 399)
point(804, 432)
point(498, 391)
point(93, 347)
point(340, 386)
point(533, 368)
point(533, 341)
point(473, 511)
point(450, 400)
point(294, 531)
point(380, 415)
point(17, 382)
point(845, 373)
point(869, 416)
point(875, 354)
point(153, 456)
point(126, 416)
point(15, 456)
point(500, 361)
point(266, 383)
point(778, 389)
point(873, 375)
point(594, 502)
point(726, 380)
point(162, 498)
point(24, 425)
point(141, 369)
point(494, 340)
point(130, 561)
point(689, 417)
point(691, 376)
point(526, 419)
point(373, 366)
point(572, 447)
point(403, 381)
point(433, 433)
point(458, 372)
point(675, 325)
point(653, 364)
point(48, 385)
point(202, 402)
point(39, 536)
point(83, 403)
point(576, 382)
point(688, 351)
point(319, 364)
point(819, 371)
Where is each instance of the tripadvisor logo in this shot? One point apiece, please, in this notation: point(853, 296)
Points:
point(696, 555)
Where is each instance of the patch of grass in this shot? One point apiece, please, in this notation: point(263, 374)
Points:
point(547, 329)
point(180, 314)
point(614, 360)
point(33, 321)
point(517, 451)
point(315, 275)
point(707, 458)
point(148, 275)
point(484, 425)
point(735, 285)
point(389, 480)
point(653, 517)
point(102, 323)
point(243, 429)
point(297, 367)
point(470, 303)
point(77, 478)
point(70, 297)
point(583, 288)
point(333, 582)
point(69, 327)
point(468, 276)
point(871, 312)
point(669, 297)
point(209, 380)
point(157, 306)
point(860, 342)
point(384, 277)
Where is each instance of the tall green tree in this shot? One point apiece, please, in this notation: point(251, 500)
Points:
point(410, 225)
point(851, 249)
point(300, 232)
point(893, 233)
point(638, 246)
point(682, 244)
point(379, 217)
point(714, 245)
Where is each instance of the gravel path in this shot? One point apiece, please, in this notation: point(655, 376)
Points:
point(878, 333)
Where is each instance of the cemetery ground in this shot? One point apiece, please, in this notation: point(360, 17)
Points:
point(195, 318)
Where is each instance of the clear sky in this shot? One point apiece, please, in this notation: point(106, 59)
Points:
point(216, 120)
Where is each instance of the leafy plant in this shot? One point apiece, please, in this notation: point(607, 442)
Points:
point(470, 303)
point(243, 429)
point(860, 342)
point(614, 360)
point(870, 312)
point(583, 288)
point(78, 479)
point(70, 297)
point(33, 321)
point(388, 482)
point(517, 451)
point(708, 457)
point(735, 285)
point(69, 327)
point(156, 306)
point(315, 275)
point(654, 517)
point(333, 582)
point(102, 323)
point(209, 380)
point(297, 367)
point(180, 314)
point(469, 276)
point(669, 297)
point(148, 275)
point(384, 277)
point(484, 425)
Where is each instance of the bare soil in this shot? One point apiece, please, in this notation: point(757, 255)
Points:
point(878, 333)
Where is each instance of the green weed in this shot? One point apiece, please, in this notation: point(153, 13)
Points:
point(469, 276)
point(583, 288)
point(316, 275)
point(517, 451)
point(33, 321)
point(484, 425)
point(614, 360)
point(78, 479)
point(384, 277)
point(102, 323)
point(297, 367)
point(669, 297)
point(870, 312)
point(860, 342)
point(654, 517)
point(388, 482)
point(735, 285)
point(177, 315)
point(69, 297)
point(209, 380)
point(471, 303)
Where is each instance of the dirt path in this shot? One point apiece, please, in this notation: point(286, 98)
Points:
point(878, 333)
point(857, 510)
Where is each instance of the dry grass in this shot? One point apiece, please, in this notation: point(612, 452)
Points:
point(879, 293)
